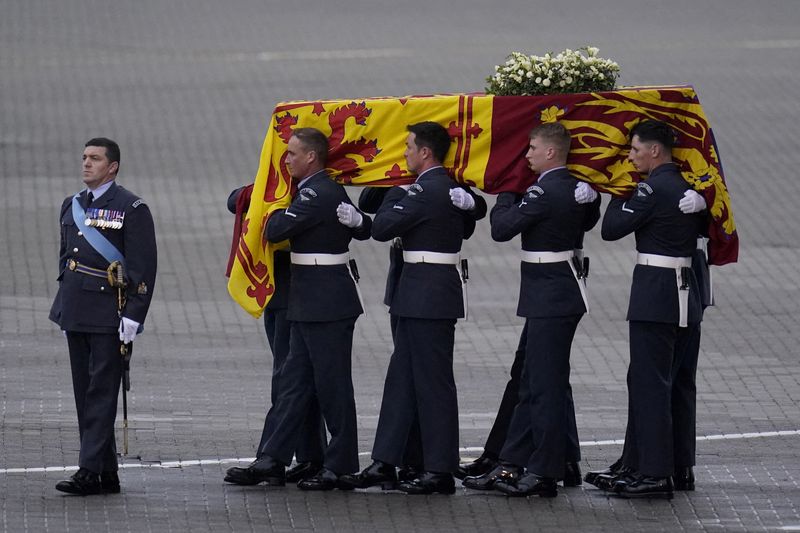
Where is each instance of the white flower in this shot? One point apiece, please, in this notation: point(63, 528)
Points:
point(546, 82)
point(592, 51)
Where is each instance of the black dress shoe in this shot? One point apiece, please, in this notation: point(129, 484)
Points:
point(429, 483)
point(110, 482)
point(324, 479)
point(529, 485)
point(572, 475)
point(612, 470)
point(265, 469)
point(505, 472)
point(302, 471)
point(640, 486)
point(480, 466)
point(608, 482)
point(683, 478)
point(83, 482)
point(378, 473)
point(409, 472)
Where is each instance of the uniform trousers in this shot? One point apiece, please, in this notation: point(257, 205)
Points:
point(413, 453)
point(661, 397)
point(537, 435)
point(318, 365)
point(420, 386)
point(96, 376)
point(311, 444)
point(499, 432)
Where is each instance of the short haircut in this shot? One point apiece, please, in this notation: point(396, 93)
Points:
point(432, 136)
point(112, 148)
point(554, 133)
point(314, 141)
point(655, 131)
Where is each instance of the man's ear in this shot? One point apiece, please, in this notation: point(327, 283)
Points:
point(114, 167)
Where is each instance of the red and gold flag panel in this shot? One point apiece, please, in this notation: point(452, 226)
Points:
point(489, 140)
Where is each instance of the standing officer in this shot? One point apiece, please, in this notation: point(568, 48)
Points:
point(427, 302)
point(311, 445)
point(323, 308)
point(664, 310)
point(552, 300)
point(100, 225)
point(370, 201)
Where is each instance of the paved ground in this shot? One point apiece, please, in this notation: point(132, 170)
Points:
point(186, 88)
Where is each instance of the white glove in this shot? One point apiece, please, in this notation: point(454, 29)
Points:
point(349, 215)
point(584, 194)
point(692, 202)
point(462, 199)
point(127, 330)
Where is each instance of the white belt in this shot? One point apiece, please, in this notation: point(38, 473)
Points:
point(663, 261)
point(319, 259)
point(675, 263)
point(439, 258)
point(546, 257)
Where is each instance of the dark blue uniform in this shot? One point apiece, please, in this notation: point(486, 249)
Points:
point(369, 201)
point(85, 307)
point(658, 344)
point(549, 219)
point(311, 445)
point(323, 307)
point(427, 302)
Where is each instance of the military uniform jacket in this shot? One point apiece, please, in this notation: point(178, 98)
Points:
point(426, 220)
point(661, 228)
point(87, 303)
point(550, 220)
point(370, 201)
point(318, 293)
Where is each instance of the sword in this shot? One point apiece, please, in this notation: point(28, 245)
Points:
point(116, 278)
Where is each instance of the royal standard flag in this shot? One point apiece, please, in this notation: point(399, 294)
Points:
point(489, 140)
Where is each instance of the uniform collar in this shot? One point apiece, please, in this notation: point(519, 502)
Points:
point(304, 180)
point(98, 192)
point(664, 167)
point(426, 171)
point(548, 172)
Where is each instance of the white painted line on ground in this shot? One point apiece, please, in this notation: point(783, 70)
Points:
point(470, 449)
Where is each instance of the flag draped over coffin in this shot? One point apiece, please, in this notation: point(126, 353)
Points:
point(489, 140)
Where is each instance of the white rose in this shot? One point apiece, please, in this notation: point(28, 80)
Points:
point(568, 80)
point(592, 50)
point(529, 75)
point(538, 80)
point(562, 83)
point(546, 82)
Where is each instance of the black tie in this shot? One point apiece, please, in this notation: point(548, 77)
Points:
point(89, 198)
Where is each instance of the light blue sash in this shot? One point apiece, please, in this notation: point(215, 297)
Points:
point(93, 236)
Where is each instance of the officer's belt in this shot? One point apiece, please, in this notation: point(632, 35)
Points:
point(675, 263)
point(439, 258)
point(558, 257)
point(663, 261)
point(546, 257)
point(319, 259)
point(83, 269)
